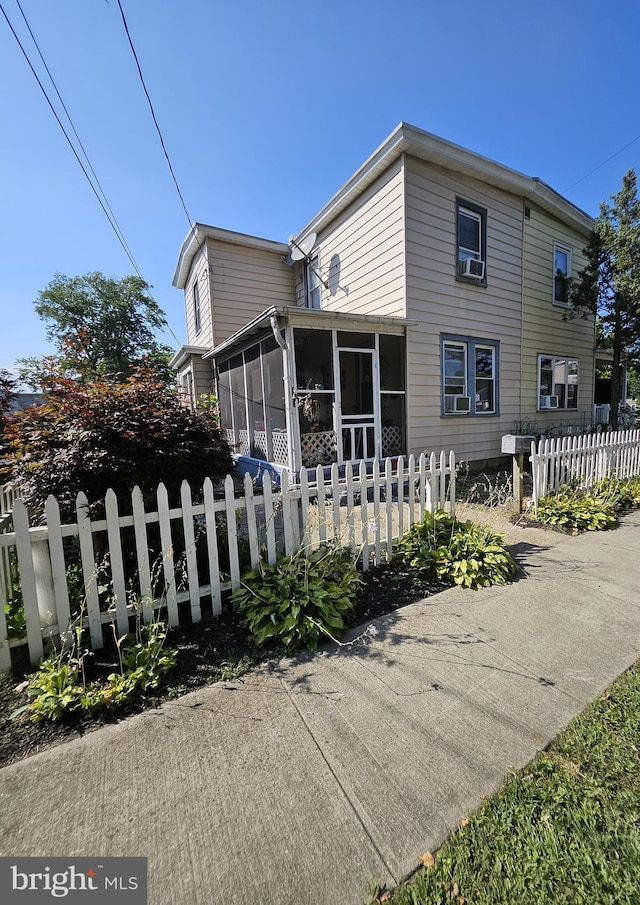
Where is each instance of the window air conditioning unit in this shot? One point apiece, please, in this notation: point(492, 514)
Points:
point(472, 269)
point(457, 405)
point(548, 402)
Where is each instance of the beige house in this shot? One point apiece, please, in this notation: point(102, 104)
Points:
point(419, 309)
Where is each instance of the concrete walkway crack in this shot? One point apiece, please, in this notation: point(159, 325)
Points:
point(347, 797)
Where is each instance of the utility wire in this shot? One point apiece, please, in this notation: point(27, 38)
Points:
point(66, 135)
point(135, 57)
point(113, 219)
point(604, 162)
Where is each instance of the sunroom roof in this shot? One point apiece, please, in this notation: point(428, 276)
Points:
point(306, 317)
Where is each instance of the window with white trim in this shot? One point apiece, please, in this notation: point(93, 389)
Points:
point(469, 376)
point(197, 317)
point(558, 380)
point(186, 386)
point(312, 283)
point(561, 270)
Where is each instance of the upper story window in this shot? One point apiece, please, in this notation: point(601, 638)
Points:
point(197, 316)
point(469, 376)
point(558, 379)
point(471, 242)
point(312, 284)
point(561, 270)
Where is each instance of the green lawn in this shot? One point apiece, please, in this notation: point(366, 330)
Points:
point(565, 830)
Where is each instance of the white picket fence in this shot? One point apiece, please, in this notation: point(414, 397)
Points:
point(184, 559)
point(586, 459)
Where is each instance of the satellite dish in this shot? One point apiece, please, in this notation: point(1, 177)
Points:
point(302, 249)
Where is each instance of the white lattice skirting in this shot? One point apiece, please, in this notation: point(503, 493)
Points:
point(280, 445)
point(318, 449)
point(392, 443)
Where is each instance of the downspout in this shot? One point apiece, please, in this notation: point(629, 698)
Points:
point(277, 335)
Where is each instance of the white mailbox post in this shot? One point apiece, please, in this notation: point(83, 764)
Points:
point(516, 445)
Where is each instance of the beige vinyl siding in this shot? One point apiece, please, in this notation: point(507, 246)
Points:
point(244, 282)
point(441, 304)
point(545, 328)
point(199, 272)
point(202, 377)
point(361, 254)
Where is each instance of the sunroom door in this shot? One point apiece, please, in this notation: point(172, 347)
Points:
point(358, 417)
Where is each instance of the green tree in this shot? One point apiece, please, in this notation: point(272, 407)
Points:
point(609, 286)
point(8, 387)
point(101, 326)
point(110, 433)
point(633, 382)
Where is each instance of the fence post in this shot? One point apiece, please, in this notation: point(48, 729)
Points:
point(452, 484)
point(59, 571)
point(28, 581)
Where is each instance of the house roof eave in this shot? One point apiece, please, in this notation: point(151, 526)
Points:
point(200, 232)
point(447, 155)
point(184, 353)
point(293, 312)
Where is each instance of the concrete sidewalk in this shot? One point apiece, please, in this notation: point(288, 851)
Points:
point(315, 775)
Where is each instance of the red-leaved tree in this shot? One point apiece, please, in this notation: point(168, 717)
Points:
point(108, 433)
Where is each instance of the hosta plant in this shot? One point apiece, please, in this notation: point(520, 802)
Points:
point(621, 495)
point(61, 686)
point(457, 553)
point(572, 509)
point(300, 600)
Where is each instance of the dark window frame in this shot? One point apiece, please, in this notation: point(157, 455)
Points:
point(556, 361)
point(461, 206)
point(197, 313)
point(559, 284)
point(471, 343)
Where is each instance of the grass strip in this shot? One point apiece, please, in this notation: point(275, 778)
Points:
point(566, 829)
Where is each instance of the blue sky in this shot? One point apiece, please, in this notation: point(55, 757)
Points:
point(267, 108)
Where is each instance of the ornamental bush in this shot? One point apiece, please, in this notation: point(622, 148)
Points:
point(110, 433)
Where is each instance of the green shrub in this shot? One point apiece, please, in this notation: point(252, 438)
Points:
point(301, 599)
point(571, 508)
point(457, 553)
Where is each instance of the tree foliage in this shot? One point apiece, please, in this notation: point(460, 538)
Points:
point(609, 286)
point(110, 433)
point(8, 387)
point(101, 326)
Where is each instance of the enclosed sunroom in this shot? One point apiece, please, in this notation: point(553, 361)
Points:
point(300, 388)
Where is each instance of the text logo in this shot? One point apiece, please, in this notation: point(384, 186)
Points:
point(100, 881)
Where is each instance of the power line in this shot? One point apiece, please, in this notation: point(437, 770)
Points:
point(114, 221)
point(604, 163)
point(192, 226)
point(75, 153)
point(135, 57)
